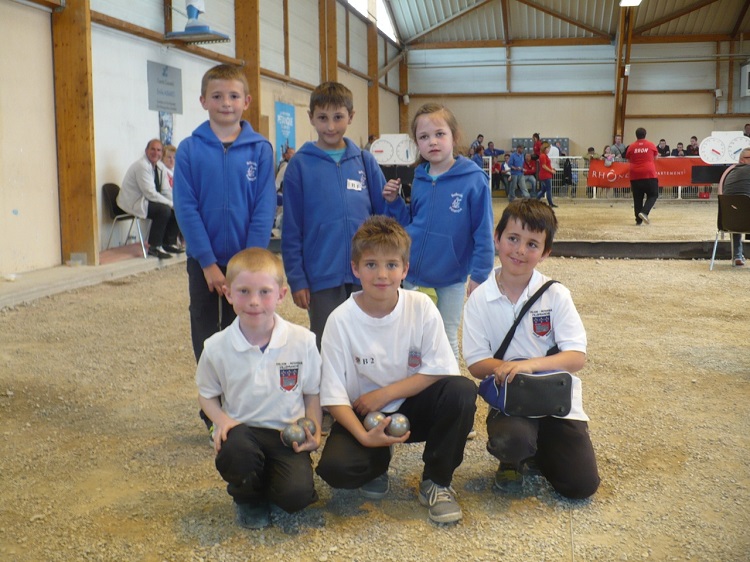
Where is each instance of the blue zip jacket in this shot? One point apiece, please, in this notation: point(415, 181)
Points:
point(224, 199)
point(450, 224)
point(325, 202)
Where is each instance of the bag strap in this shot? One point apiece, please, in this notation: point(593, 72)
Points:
point(500, 353)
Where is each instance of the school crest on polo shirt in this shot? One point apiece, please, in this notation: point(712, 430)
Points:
point(541, 322)
point(288, 375)
point(415, 359)
point(252, 170)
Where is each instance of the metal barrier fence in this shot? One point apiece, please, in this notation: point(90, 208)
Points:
point(575, 186)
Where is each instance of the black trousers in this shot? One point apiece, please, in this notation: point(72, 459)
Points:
point(258, 467)
point(562, 449)
point(322, 303)
point(164, 228)
point(204, 307)
point(648, 188)
point(441, 416)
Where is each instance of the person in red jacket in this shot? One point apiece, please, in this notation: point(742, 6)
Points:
point(643, 181)
point(546, 173)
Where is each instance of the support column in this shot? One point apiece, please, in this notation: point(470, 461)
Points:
point(74, 116)
point(373, 83)
point(403, 85)
point(247, 48)
point(328, 40)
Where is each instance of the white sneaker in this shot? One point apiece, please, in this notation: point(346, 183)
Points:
point(644, 218)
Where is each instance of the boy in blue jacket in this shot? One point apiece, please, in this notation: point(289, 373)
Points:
point(224, 196)
point(330, 188)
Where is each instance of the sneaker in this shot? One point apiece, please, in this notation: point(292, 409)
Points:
point(472, 434)
point(644, 218)
point(173, 249)
point(508, 479)
point(740, 261)
point(441, 500)
point(377, 488)
point(252, 516)
point(325, 427)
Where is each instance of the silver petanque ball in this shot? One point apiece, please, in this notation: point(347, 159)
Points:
point(307, 423)
point(373, 419)
point(399, 425)
point(293, 434)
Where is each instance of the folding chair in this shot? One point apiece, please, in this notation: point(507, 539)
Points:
point(733, 218)
point(111, 191)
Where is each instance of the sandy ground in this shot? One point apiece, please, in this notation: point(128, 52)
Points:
point(103, 458)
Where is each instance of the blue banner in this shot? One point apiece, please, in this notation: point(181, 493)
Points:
point(284, 129)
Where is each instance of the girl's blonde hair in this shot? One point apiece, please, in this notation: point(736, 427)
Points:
point(445, 113)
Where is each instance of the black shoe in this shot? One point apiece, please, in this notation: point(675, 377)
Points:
point(173, 249)
point(157, 252)
point(553, 205)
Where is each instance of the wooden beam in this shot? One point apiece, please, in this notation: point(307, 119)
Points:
point(561, 42)
point(479, 95)
point(740, 19)
point(499, 43)
point(673, 16)
point(144, 33)
point(354, 71)
point(566, 19)
point(730, 86)
point(391, 63)
point(688, 116)
point(446, 21)
point(403, 108)
point(286, 79)
point(247, 47)
point(373, 89)
point(347, 48)
point(331, 41)
point(505, 15)
point(717, 81)
point(167, 16)
point(652, 39)
point(74, 118)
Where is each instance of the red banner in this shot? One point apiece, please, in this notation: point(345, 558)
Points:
point(671, 172)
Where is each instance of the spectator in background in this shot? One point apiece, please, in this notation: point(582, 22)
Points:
point(590, 155)
point(607, 155)
point(288, 153)
point(537, 145)
point(692, 148)
point(747, 129)
point(679, 151)
point(492, 151)
point(619, 149)
point(516, 174)
point(141, 195)
point(663, 148)
point(479, 140)
point(529, 173)
point(370, 140)
point(478, 156)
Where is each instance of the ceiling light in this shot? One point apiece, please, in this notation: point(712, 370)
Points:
point(629, 3)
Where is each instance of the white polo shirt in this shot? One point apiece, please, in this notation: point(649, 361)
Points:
point(361, 353)
point(261, 388)
point(552, 320)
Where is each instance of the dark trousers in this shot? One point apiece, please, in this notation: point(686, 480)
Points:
point(562, 449)
point(441, 416)
point(164, 228)
point(258, 467)
point(204, 307)
point(648, 188)
point(322, 303)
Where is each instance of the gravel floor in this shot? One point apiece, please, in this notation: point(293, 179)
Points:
point(103, 457)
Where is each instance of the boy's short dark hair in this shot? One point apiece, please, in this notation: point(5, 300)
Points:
point(534, 216)
point(224, 72)
point(640, 133)
point(255, 260)
point(331, 94)
point(381, 233)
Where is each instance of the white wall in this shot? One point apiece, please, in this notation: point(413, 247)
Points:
point(123, 123)
point(29, 200)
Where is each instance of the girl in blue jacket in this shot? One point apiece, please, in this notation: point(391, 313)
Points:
point(449, 218)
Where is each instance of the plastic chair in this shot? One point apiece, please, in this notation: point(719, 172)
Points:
point(111, 191)
point(733, 218)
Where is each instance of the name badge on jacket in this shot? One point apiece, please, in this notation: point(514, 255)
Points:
point(354, 185)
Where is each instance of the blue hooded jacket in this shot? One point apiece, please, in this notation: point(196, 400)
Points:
point(224, 199)
point(325, 202)
point(450, 224)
